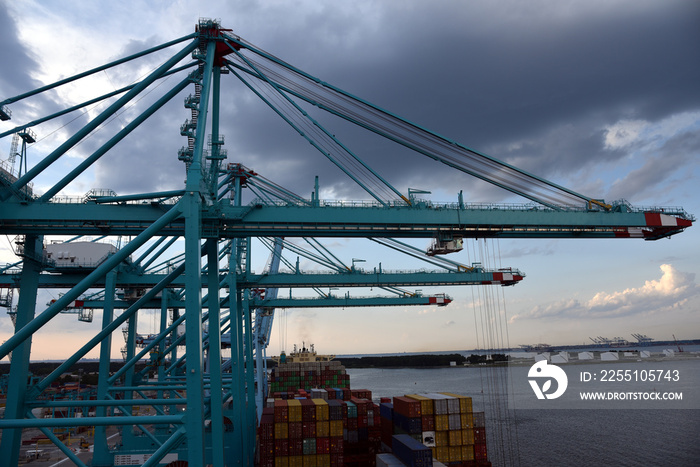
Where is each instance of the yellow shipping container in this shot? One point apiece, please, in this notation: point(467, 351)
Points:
point(468, 436)
point(321, 409)
point(442, 423)
point(442, 438)
point(281, 461)
point(323, 429)
point(294, 406)
point(323, 460)
point(442, 454)
point(296, 461)
point(455, 437)
point(426, 404)
point(467, 420)
point(336, 428)
point(455, 453)
point(281, 430)
point(468, 452)
point(310, 460)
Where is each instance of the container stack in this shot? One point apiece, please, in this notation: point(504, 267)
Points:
point(299, 433)
point(303, 430)
point(363, 432)
point(306, 375)
point(443, 422)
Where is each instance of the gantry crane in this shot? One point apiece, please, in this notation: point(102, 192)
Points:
point(202, 415)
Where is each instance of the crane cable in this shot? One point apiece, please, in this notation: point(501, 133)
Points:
point(490, 322)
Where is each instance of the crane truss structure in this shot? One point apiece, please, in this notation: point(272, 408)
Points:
point(205, 413)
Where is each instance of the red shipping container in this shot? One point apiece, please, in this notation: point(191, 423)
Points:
point(362, 393)
point(281, 447)
point(323, 445)
point(427, 423)
point(480, 452)
point(296, 447)
point(336, 444)
point(362, 421)
point(479, 435)
point(281, 411)
point(362, 405)
point(407, 407)
point(308, 429)
point(266, 449)
point(266, 430)
point(308, 410)
point(295, 430)
point(337, 459)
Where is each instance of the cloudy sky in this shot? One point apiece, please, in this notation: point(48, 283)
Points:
point(598, 96)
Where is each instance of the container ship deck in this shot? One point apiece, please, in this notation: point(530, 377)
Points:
point(314, 419)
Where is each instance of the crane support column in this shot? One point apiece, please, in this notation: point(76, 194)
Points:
point(193, 279)
point(101, 456)
point(19, 367)
point(217, 416)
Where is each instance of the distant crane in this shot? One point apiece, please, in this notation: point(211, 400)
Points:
point(643, 339)
point(680, 349)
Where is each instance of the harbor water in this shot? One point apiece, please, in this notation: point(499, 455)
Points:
point(561, 437)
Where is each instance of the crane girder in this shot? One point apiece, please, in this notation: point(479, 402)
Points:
point(222, 220)
point(282, 280)
point(298, 302)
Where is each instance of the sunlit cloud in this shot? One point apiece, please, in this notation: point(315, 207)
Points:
point(673, 290)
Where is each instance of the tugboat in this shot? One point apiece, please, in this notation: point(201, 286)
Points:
point(303, 355)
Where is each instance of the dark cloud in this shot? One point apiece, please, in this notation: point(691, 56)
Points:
point(533, 85)
point(17, 62)
point(662, 163)
point(528, 88)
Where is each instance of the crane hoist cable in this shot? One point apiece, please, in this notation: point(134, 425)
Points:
point(360, 112)
point(312, 130)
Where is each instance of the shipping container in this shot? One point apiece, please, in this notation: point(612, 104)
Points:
point(465, 402)
point(321, 409)
point(455, 437)
point(426, 404)
point(323, 429)
point(388, 460)
point(411, 452)
point(407, 407)
point(294, 406)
